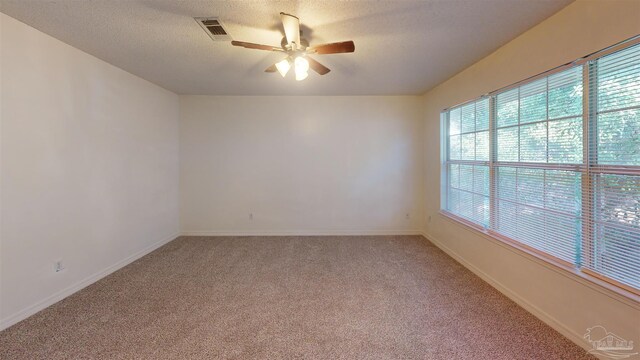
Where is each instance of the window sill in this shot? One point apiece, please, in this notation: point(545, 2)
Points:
point(628, 297)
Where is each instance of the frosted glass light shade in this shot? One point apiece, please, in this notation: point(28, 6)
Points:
point(283, 67)
point(301, 68)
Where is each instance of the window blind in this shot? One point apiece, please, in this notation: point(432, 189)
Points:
point(538, 129)
point(468, 162)
point(554, 164)
point(614, 101)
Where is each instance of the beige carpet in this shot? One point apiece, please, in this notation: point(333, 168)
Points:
point(368, 297)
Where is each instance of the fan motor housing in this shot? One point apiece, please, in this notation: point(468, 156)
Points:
point(285, 45)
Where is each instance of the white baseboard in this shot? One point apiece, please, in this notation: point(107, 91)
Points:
point(300, 232)
point(32, 309)
point(522, 302)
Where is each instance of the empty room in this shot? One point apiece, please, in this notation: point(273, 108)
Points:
point(374, 179)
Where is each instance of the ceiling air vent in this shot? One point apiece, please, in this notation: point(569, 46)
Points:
point(214, 28)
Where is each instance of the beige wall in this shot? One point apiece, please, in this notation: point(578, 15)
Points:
point(564, 301)
point(301, 165)
point(89, 169)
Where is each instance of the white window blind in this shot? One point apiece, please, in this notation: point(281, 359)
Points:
point(468, 162)
point(539, 133)
point(614, 244)
point(554, 164)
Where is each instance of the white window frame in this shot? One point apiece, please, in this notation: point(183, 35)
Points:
point(587, 168)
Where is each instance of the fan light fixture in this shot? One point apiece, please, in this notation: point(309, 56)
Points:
point(301, 68)
point(283, 66)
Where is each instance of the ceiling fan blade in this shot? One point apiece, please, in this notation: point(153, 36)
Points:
point(317, 67)
point(291, 26)
point(333, 48)
point(249, 45)
point(271, 69)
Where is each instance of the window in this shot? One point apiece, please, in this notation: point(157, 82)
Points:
point(539, 128)
point(615, 165)
point(468, 166)
point(553, 163)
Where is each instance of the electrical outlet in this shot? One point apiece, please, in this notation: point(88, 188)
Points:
point(58, 266)
point(407, 216)
point(250, 216)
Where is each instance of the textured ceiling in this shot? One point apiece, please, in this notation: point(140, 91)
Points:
point(402, 47)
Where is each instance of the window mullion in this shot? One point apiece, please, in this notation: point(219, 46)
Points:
point(444, 154)
point(493, 202)
point(586, 251)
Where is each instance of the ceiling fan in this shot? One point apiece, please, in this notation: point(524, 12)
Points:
point(298, 50)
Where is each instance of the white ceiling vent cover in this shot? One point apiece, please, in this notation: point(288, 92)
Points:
point(214, 28)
